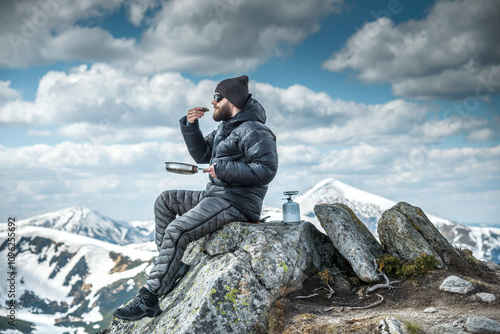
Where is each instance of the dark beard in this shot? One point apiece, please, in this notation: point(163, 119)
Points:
point(222, 114)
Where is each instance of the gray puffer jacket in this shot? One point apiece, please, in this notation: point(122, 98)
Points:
point(243, 150)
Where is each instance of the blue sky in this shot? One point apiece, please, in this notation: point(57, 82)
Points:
point(398, 98)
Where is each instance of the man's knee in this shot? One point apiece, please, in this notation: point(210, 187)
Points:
point(160, 202)
point(163, 200)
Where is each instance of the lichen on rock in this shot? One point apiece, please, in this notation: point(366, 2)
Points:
point(236, 275)
point(406, 232)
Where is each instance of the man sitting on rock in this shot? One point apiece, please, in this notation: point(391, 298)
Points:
point(243, 160)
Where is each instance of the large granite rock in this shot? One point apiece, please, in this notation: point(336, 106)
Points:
point(236, 274)
point(406, 232)
point(482, 325)
point(456, 284)
point(351, 238)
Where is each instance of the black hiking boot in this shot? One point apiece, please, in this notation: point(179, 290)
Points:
point(144, 304)
point(179, 274)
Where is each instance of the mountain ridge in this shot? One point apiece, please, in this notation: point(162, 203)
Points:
point(84, 271)
point(70, 278)
point(483, 241)
point(84, 221)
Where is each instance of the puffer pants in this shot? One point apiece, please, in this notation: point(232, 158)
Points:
point(183, 216)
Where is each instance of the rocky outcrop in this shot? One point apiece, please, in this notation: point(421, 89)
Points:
point(456, 284)
point(236, 275)
point(351, 238)
point(482, 325)
point(239, 272)
point(406, 232)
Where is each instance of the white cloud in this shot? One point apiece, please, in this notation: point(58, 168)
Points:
point(435, 130)
point(40, 133)
point(465, 159)
point(27, 27)
point(89, 45)
point(12, 107)
point(320, 120)
point(72, 160)
point(110, 177)
point(443, 55)
point(482, 135)
point(121, 118)
point(464, 82)
point(449, 170)
point(121, 127)
point(19, 112)
point(104, 105)
point(206, 37)
point(107, 133)
point(227, 36)
point(119, 180)
point(7, 94)
point(138, 10)
point(107, 96)
point(298, 155)
point(362, 158)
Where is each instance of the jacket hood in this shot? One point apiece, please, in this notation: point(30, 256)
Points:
point(253, 111)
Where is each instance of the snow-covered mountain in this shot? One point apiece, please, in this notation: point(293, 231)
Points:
point(145, 227)
point(368, 207)
point(483, 241)
point(84, 221)
point(73, 267)
point(68, 283)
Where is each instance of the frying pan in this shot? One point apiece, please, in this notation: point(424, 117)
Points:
point(182, 168)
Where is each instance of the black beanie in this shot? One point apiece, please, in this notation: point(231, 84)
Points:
point(235, 90)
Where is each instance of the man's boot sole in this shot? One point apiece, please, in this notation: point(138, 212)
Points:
point(140, 316)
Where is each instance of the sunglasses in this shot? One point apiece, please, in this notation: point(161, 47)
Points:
point(218, 97)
